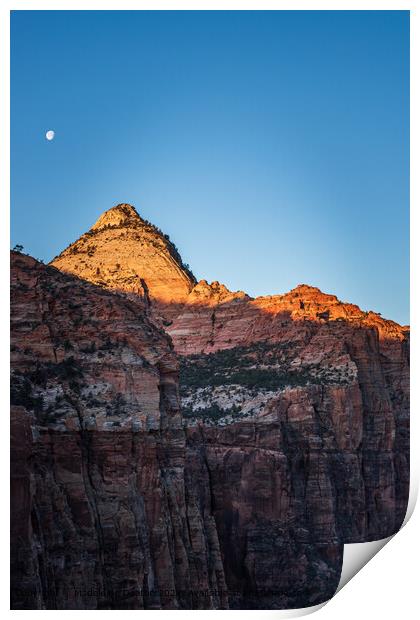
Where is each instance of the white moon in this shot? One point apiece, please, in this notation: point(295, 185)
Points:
point(50, 134)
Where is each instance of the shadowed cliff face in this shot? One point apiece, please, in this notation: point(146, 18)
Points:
point(110, 507)
point(98, 452)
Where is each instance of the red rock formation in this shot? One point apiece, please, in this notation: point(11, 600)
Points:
point(296, 439)
point(110, 509)
point(214, 318)
point(332, 383)
point(100, 514)
point(300, 339)
point(271, 555)
point(324, 454)
point(124, 252)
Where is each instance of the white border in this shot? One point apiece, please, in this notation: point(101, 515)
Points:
point(342, 604)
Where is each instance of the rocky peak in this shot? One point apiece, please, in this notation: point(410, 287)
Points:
point(213, 293)
point(306, 289)
point(126, 253)
point(120, 215)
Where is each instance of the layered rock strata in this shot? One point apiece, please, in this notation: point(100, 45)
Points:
point(99, 505)
point(330, 382)
point(110, 507)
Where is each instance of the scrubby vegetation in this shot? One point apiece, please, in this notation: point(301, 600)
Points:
point(214, 413)
point(239, 381)
point(26, 386)
point(261, 365)
point(67, 370)
point(197, 376)
point(21, 393)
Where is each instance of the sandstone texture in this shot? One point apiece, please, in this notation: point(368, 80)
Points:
point(124, 252)
point(98, 453)
point(327, 382)
point(111, 509)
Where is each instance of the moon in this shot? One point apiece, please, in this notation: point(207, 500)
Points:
point(50, 134)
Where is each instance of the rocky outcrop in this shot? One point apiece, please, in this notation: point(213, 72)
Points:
point(99, 505)
point(330, 381)
point(111, 509)
point(215, 318)
point(299, 407)
point(124, 252)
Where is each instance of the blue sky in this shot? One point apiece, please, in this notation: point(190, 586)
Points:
point(273, 147)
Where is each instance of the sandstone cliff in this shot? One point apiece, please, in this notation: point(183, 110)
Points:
point(98, 493)
point(343, 371)
point(111, 509)
point(330, 381)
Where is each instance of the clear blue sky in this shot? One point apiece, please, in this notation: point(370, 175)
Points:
point(273, 147)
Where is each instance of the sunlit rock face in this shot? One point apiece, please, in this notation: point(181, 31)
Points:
point(215, 318)
point(124, 252)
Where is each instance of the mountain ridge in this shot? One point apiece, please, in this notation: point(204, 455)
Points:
point(137, 276)
point(208, 320)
